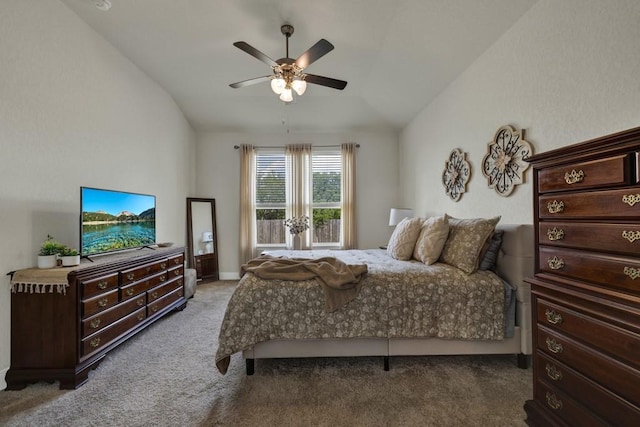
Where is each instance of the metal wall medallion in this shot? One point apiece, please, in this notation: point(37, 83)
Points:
point(505, 162)
point(456, 174)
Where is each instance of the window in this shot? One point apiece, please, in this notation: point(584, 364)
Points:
point(272, 201)
point(326, 167)
point(270, 197)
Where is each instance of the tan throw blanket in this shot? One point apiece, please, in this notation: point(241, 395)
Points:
point(337, 279)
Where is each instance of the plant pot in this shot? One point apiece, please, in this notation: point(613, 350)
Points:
point(71, 260)
point(47, 261)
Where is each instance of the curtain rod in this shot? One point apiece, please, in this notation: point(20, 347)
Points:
point(282, 146)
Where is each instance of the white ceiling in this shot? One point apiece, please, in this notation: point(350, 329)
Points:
point(397, 55)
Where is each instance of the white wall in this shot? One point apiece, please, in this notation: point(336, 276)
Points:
point(73, 111)
point(218, 176)
point(567, 71)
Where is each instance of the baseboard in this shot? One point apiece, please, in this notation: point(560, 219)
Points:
point(234, 275)
point(3, 383)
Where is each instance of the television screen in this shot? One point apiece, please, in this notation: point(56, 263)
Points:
point(115, 220)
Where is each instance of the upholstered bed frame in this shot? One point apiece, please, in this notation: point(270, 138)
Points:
point(515, 262)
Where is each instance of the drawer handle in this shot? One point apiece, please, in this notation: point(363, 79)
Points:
point(177, 272)
point(140, 316)
point(634, 273)
point(176, 261)
point(95, 323)
point(553, 401)
point(103, 285)
point(553, 372)
point(103, 302)
point(95, 342)
point(555, 234)
point(130, 292)
point(163, 265)
point(140, 302)
point(154, 308)
point(154, 295)
point(130, 276)
point(631, 236)
point(555, 207)
point(163, 278)
point(553, 317)
point(574, 177)
point(148, 269)
point(554, 346)
point(555, 263)
point(631, 199)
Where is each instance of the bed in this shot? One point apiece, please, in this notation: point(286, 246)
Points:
point(485, 312)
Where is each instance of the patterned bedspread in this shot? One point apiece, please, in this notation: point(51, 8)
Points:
point(395, 299)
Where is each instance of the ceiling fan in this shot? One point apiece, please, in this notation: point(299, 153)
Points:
point(288, 73)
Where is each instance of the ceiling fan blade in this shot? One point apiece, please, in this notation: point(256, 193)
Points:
point(251, 81)
point(325, 81)
point(314, 53)
point(255, 53)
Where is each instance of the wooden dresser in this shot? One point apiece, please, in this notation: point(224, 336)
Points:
point(586, 288)
point(62, 336)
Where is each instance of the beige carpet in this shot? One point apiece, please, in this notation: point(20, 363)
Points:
point(165, 376)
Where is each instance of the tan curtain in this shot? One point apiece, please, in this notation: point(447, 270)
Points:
point(247, 203)
point(298, 158)
point(348, 223)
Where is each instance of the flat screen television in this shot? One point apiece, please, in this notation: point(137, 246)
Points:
point(115, 220)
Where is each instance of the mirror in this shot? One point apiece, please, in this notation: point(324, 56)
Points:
point(202, 238)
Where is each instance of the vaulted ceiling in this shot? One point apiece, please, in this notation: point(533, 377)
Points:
point(397, 55)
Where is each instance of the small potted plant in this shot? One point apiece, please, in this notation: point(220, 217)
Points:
point(48, 255)
point(69, 256)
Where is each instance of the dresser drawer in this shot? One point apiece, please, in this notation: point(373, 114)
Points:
point(622, 238)
point(176, 272)
point(135, 288)
point(160, 303)
point(563, 406)
point(612, 171)
point(176, 260)
point(609, 204)
point(159, 291)
point(102, 338)
point(105, 318)
point(608, 338)
point(98, 285)
point(591, 395)
point(99, 303)
point(621, 379)
point(137, 273)
point(609, 271)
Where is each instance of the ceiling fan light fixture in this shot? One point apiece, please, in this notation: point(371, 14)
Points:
point(277, 85)
point(286, 95)
point(300, 86)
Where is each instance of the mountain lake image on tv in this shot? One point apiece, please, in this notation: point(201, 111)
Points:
point(116, 220)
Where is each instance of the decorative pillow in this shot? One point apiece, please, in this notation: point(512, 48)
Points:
point(490, 257)
point(465, 241)
point(431, 240)
point(404, 238)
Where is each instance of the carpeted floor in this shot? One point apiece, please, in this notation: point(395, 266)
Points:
point(165, 376)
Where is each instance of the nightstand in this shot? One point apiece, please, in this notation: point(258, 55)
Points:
point(206, 266)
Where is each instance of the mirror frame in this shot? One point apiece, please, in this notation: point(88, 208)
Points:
point(191, 249)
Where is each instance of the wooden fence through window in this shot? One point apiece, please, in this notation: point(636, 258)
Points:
point(273, 231)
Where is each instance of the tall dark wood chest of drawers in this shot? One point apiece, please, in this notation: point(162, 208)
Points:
point(586, 288)
point(61, 337)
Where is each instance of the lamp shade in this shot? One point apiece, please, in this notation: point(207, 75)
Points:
point(207, 236)
point(277, 85)
point(299, 86)
point(286, 95)
point(398, 214)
